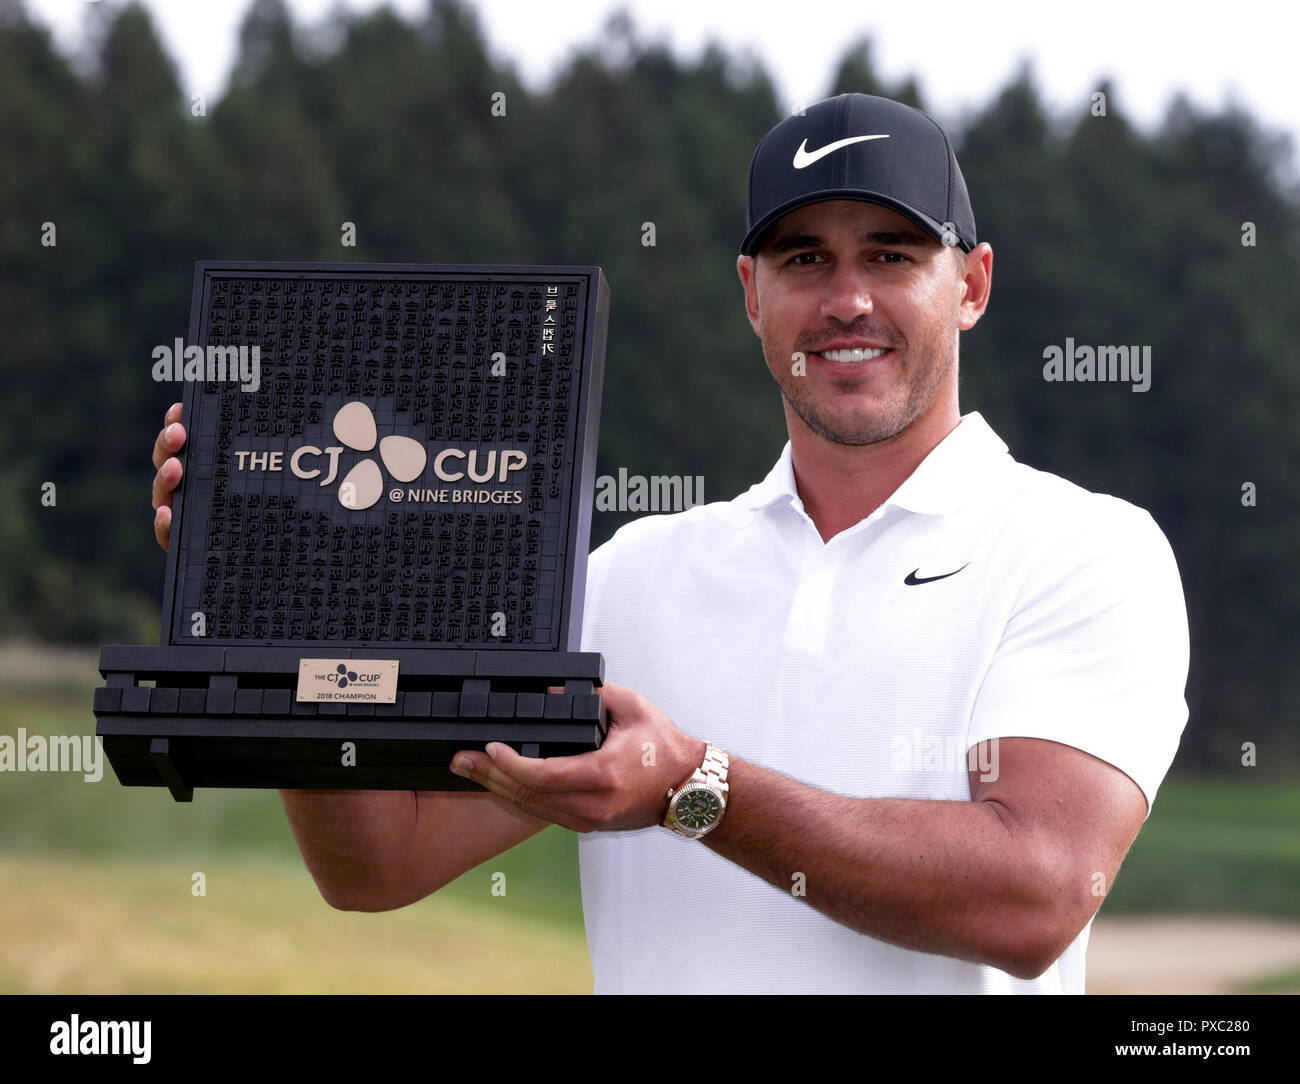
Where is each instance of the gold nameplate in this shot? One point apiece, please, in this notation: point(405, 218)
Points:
point(357, 681)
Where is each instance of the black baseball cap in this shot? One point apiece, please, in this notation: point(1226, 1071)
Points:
point(859, 146)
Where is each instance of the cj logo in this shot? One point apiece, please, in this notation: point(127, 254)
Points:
point(343, 677)
point(404, 458)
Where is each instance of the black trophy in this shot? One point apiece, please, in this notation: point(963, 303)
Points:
point(379, 545)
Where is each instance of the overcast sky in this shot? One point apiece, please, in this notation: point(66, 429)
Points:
point(1244, 51)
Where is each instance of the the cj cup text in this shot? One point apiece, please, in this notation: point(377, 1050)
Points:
point(449, 465)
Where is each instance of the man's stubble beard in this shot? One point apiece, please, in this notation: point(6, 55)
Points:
point(894, 417)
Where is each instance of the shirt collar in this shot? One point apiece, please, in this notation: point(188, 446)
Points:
point(950, 476)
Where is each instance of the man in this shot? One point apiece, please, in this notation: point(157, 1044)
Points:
point(802, 671)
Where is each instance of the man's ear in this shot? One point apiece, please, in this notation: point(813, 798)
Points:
point(748, 271)
point(977, 284)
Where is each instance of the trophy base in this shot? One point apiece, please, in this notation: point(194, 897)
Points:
point(228, 717)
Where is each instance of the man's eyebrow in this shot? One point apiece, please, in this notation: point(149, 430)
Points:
point(908, 238)
point(791, 241)
point(901, 238)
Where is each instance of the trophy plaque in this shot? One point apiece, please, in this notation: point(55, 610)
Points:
point(379, 544)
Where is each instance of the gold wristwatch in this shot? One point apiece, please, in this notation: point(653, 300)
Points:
point(696, 808)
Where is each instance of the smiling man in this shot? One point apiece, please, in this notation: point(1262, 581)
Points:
point(887, 722)
point(859, 318)
point(896, 592)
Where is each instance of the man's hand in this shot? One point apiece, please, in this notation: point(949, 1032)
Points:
point(622, 785)
point(170, 439)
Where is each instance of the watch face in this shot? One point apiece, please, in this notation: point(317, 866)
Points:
point(698, 809)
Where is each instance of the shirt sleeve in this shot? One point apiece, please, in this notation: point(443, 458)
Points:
point(1095, 651)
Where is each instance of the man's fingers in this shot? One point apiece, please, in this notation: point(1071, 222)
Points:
point(170, 437)
point(579, 774)
point(167, 478)
point(621, 701)
point(162, 525)
point(165, 482)
point(568, 811)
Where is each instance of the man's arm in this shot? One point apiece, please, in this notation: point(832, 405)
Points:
point(1009, 878)
point(376, 850)
point(369, 850)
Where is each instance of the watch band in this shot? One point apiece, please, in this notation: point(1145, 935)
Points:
point(712, 774)
point(714, 768)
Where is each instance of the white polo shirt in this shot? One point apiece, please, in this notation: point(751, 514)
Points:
point(1042, 610)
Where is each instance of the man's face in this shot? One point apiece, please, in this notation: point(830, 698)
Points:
point(841, 275)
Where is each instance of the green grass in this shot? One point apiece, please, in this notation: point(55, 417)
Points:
point(1280, 982)
point(95, 884)
point(1228, 845)
point(47, 812)
point(96, 892)
point(1225, 845)
point(74, 924)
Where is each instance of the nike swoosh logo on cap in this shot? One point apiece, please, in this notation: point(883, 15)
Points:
point(803, 157)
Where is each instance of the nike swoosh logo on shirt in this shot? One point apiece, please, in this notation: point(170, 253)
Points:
point(913, 579)
point(803, 157)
